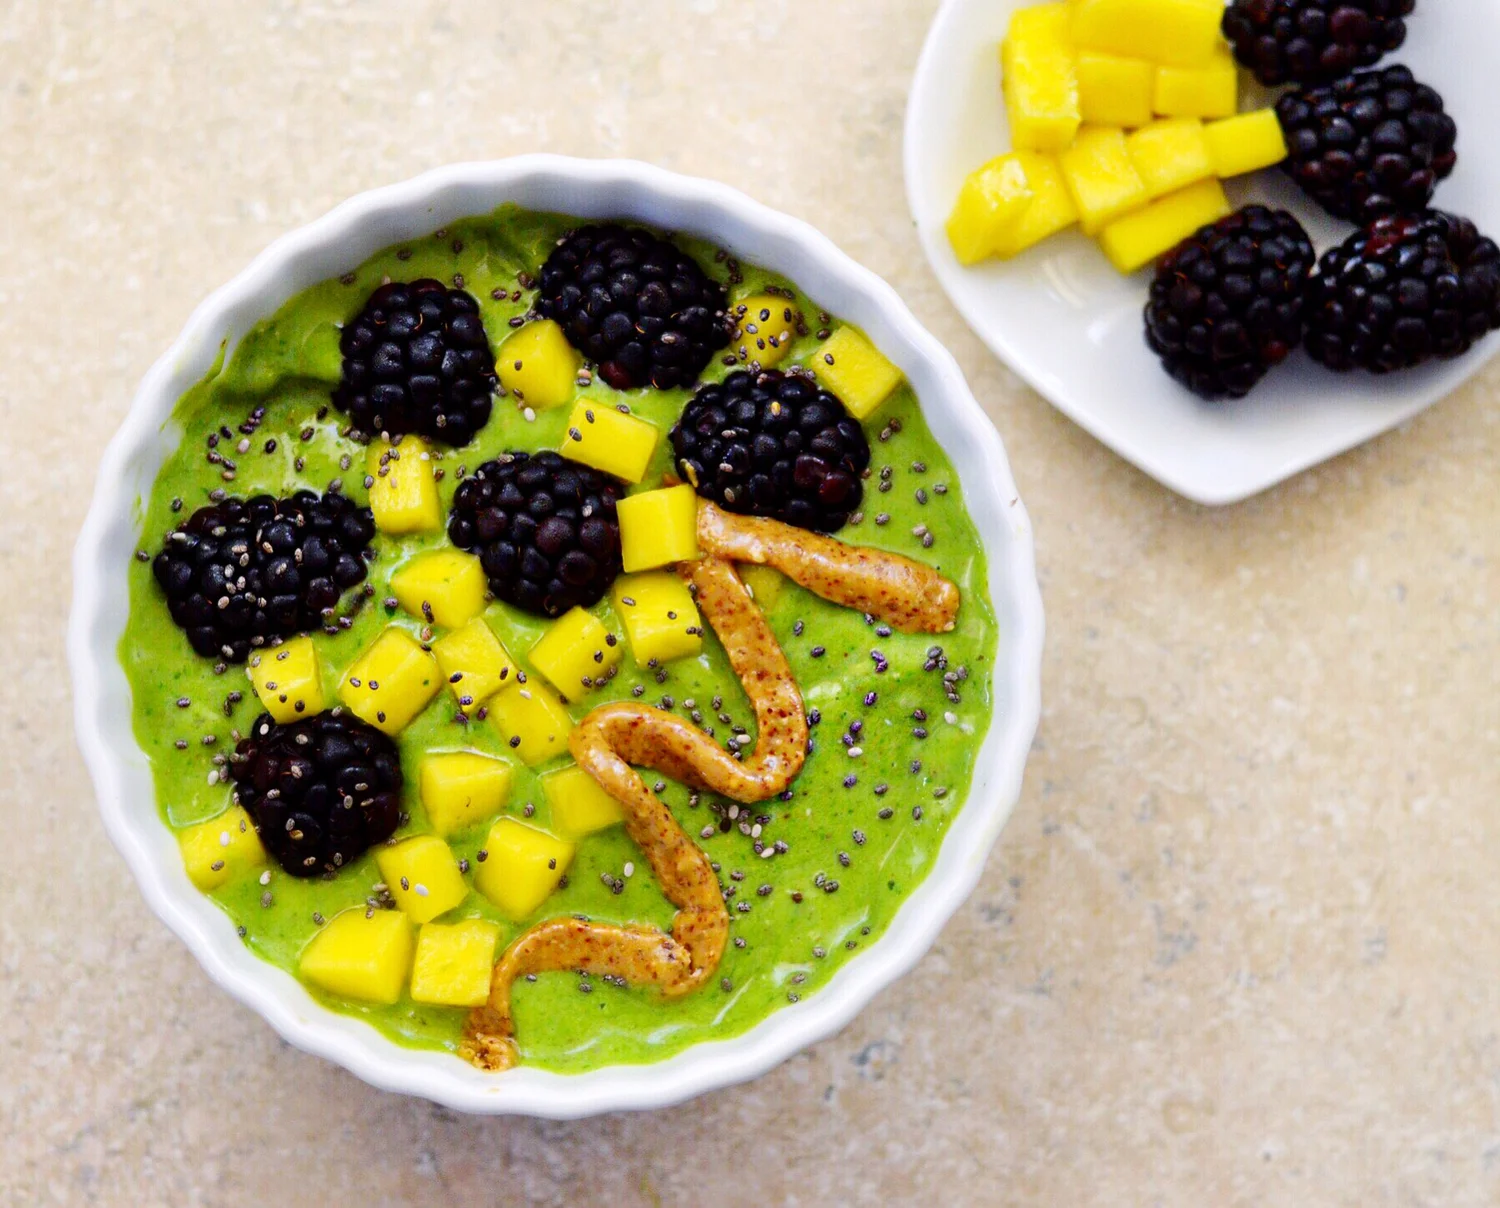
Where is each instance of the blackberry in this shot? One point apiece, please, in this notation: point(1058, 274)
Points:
point(1226, 303)
point(320, 790)
point(636, 305)
point(417, 359)
point(544, 529)
point(1313, 41)
point(246, 572)
point(1408, 288)
point(773, 444)
point(1376, 142)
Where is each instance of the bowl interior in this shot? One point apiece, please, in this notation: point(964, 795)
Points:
point(338, 242)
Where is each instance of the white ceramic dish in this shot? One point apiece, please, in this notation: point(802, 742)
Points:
point(1067, 323)
point(341, 240)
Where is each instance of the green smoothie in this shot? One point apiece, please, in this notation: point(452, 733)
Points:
point(898, 718)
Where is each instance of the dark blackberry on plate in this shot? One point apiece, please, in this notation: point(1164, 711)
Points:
point(1313, 41)
point(1407, 289)
point(636, 305)
point(247, 572)
point(417, 359)
point(1376, 142)
point(320, 790)
point(773, 444)
point(1226, 304)
point(544, 528)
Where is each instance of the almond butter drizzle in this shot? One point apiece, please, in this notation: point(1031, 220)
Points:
point(616, 736)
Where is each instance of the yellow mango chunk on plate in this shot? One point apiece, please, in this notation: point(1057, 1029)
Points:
point(991, 201)
point(1170, 155)
point(1100, 177)
point(1209, 91)
point(1039, 79)
point(1137, 239)
point(1182, 33)
point(1051, 209)
point(1114, 90)
point(1245, 143)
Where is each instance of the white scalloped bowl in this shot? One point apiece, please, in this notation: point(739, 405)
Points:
point(332, 245)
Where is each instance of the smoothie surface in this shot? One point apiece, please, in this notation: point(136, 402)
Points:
point(897, 718)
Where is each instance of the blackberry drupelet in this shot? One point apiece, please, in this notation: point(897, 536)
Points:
point(1226, 304)
point(544, 528)
point(320, 790)
point(1313, 41)
point(1376, 142)
point(417, 359)
point(246, 572)
point(773, 444)
point(636, 305)
point(1409, 288)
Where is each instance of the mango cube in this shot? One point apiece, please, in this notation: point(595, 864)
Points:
point(1102, 180)
point(660, 616)
point(391, 682)
point(765, 585)
point(474, 663)
point(532, 721)
point(358, 957)
point(1039, 80)
point(214, 851)
point(445, 587)
point(538, 365)
point(1209, 91)
point(454, 962)
point(1139, 238)
point(855, 370)
point(460, 788)
point(1182, 33)
point(579, 806)
point(609, 440)
point(521, 866)
point(1245, 143)
point(767, 327)
point(1170, 155)
point(1115, 91)
point(1051, 209)
point(404, 495)
point(658, 528)
point(288, 679)
point(990, 202)
point(422, 876)
point(576, 653)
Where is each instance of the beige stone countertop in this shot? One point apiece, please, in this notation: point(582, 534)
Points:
point(1240, 944)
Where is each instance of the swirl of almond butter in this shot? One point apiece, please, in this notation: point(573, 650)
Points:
point(616, 738)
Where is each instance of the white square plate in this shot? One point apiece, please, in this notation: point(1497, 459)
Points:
point(1071, 326)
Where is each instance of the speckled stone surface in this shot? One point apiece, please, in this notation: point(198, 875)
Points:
point(1241, 942)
